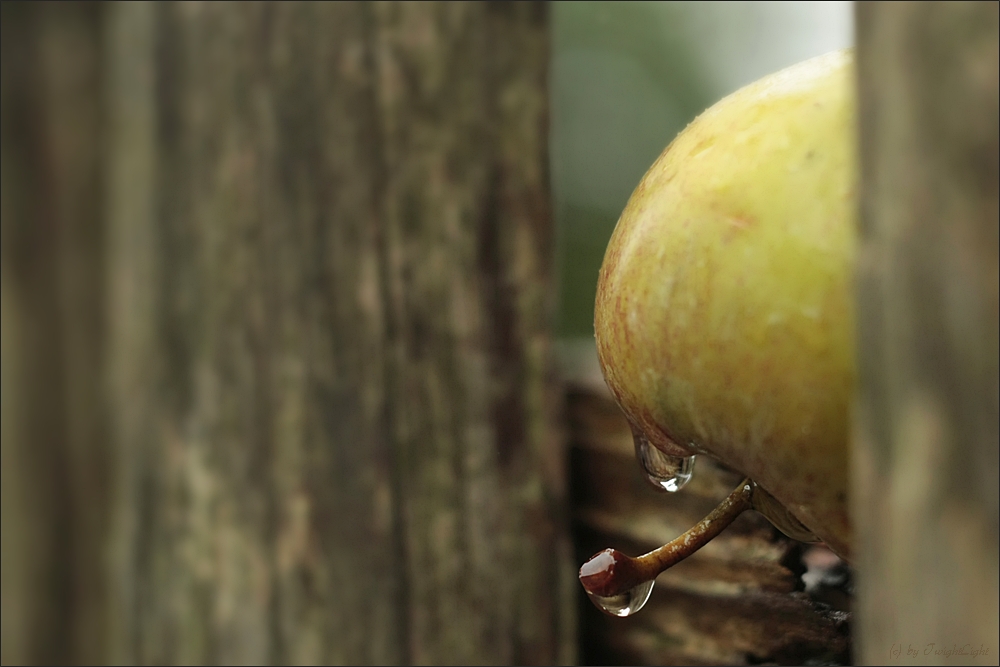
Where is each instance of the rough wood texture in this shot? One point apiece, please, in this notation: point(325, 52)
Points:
point(324, 251)
point(53, 457)
point(337, 426)
point(926, 463)
point(740, 600)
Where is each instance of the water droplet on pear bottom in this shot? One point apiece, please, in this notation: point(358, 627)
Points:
point(626, 603)
point(666, 472)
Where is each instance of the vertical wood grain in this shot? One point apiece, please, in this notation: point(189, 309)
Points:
point(925, 461)
point(277, 313)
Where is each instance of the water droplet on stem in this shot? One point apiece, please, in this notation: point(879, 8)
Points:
point(605, 576)
point(620, 585)
point(626, 603)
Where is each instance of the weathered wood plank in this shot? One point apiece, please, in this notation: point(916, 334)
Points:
point(298, 339)
point(55, 454)
point(337, 412)
point(927, 476)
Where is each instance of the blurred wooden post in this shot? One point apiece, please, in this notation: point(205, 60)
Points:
point(926, 463)
point(331, 328)
point(54, 451)
point(323, 289)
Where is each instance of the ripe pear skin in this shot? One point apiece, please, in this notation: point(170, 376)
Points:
point(725, 310)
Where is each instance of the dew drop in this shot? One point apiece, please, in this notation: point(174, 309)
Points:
point(666, 472)
point(601, 571)
point(625, 604)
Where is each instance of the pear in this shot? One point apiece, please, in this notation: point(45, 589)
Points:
point(724, 317)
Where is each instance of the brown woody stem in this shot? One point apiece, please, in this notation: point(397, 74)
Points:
point(611, 572)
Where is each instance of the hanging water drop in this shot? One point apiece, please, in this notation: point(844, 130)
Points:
point(625, 604)
point(666, 472)
point(603, 569)
point(620, 585)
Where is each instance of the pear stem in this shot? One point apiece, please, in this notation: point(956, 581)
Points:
point(611, 572)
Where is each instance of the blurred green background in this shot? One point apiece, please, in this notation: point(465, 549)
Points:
point(626, 78)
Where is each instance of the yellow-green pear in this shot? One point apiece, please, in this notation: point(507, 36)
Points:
point(724, 315)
